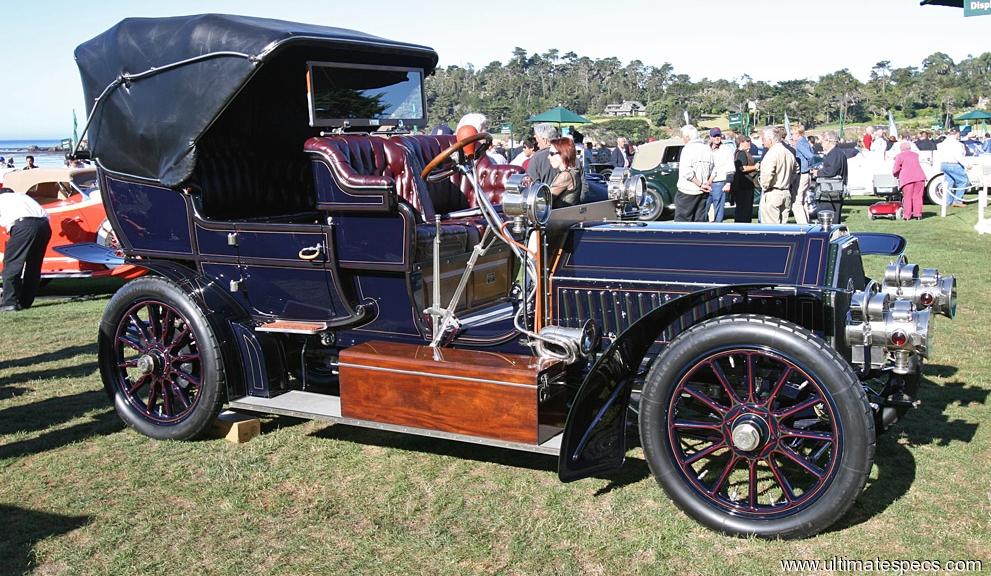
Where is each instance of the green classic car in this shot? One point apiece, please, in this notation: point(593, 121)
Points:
point(658, 163)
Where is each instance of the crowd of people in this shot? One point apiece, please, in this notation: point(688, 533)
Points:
point(799, 175)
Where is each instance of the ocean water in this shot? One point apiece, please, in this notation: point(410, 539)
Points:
point(18, 149)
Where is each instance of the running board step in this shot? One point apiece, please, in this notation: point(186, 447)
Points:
point(292, 327)
point(324, 407)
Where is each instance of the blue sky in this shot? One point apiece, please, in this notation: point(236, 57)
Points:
point(767, 39)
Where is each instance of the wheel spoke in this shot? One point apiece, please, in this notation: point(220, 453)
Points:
point(186, 358)
point(721, 376)
point(166, 398)
point(193, 380)
point(130, 342)
point(132, 363)
point(733, 459)
point(137, 384)
point(802, 461)
point(800, 407)
point(695, 425)
point(752, 493)
point(154, 321)
point(701, 397)
point(180, 394)
point(142, 328)
point(695, 457)
point(749, 371)
point(777, 387)
point(168, 326)
point(779, 477)
point(152, 395)
point(181, 339)
point(809, 434)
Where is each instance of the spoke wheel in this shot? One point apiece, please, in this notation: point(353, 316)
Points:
point(755, 426)
point(160, 361)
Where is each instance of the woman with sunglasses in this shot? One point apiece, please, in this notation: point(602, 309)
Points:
point(566, 187)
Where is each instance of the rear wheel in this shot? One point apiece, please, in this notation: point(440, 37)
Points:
point(160, 360)
point(754, 425)
point(936, 190)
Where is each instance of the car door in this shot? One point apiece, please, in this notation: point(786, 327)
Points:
point(288, 271)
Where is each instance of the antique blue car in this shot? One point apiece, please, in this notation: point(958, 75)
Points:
point(310, 254)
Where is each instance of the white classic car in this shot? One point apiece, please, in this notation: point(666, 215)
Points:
point(865, 165)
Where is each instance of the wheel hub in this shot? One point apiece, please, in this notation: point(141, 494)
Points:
point(749, 433)
point(746, 437)
point(147, 364)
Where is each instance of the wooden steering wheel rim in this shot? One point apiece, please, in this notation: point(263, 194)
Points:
point(446, 153)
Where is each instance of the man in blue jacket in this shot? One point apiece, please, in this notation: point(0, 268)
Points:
point(806, 158)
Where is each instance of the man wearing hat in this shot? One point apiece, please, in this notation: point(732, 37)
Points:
point(722, 174)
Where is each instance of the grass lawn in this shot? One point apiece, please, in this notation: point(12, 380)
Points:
point(82, 494)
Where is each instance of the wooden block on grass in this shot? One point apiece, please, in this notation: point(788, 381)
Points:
point(235, 427)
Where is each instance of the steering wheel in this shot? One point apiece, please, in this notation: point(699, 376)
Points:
point(456, 147)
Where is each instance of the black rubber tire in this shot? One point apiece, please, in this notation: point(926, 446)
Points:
point(210, 397)
point(821, 362)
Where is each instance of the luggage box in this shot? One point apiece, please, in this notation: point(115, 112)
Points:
point(473, 392)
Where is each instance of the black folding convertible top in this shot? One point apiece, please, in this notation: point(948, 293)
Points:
point(164, 81)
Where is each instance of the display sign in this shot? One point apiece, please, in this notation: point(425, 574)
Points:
point(976, 8)
point(505, 128)
point(735, 120)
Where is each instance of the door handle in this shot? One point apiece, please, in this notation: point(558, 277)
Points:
point(311, 252)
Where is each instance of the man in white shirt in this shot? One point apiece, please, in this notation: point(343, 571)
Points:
point(695, 175)
point(26, 222)
point(950, 153)
point(723, 171)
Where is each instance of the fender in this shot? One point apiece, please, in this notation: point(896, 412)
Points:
point(594, 439)
point(241, 349)
point(880, 243)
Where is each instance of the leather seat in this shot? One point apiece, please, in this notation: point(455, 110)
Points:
point(445, 194)
point(361, 161)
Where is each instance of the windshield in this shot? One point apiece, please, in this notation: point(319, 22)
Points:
point(365, 95)
point(85, 182)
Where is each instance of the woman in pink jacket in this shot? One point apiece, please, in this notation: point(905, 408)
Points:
point(911, 179)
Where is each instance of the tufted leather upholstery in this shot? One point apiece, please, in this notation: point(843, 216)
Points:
point(361, 161)
point(492, 177)
point(238, 183)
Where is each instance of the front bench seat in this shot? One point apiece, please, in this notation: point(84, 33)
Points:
point(457, 193)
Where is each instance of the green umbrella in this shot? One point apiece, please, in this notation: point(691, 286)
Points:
point(981, 115)
point(975, 115)
point(560, 115)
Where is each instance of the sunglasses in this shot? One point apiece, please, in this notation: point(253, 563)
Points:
point(553, 153)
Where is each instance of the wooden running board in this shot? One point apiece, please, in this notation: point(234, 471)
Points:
point(292, 327)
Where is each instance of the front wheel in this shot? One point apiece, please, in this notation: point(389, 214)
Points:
point(755, 426)
point(160, 360)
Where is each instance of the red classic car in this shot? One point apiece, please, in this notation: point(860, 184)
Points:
point(72, 199)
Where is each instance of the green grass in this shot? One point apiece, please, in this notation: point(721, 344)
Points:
point(81, 494)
